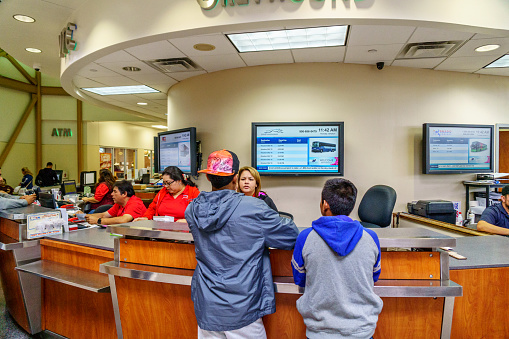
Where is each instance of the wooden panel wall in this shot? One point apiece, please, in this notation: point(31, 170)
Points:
point(74, 255)
point(158, 253)
point(10, 228)
point(410, 265)
point(482, 311)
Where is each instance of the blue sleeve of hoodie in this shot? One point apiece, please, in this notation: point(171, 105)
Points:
point(377, 268)
point(298, 267)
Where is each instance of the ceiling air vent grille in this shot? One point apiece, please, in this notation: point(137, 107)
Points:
point(421, 50)
point(174, 65)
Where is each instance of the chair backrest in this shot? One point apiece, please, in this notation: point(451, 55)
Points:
point(102, 208)
point(286, 215)
point(376, 206)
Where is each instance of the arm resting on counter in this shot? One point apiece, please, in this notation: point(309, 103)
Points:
point(117, 220)
point(487, 227)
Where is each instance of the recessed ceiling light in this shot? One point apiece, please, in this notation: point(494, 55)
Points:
point(23, 18)
point(499, 63)
point(140, 89)
point(33, 50)
point(204, 47)
point(487, 48)
point(142, 103)
point(131, 69)
point(160, 126)
point(327, 36)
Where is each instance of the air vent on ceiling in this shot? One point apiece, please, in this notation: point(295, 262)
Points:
point(436, 49)
point(174, 65)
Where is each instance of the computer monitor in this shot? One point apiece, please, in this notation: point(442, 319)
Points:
point(145, 179)
point(60, 174)
point(88, 178)
point(68, 187)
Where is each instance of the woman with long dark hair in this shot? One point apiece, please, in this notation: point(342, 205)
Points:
point(172, 200)
point(103, 189)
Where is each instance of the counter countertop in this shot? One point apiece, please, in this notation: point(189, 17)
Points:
point(20, 213)
point(91, 237)
point(481, 252)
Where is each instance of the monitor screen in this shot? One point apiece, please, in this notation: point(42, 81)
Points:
point(88, 178)
point(178, 148)
point(303, 148)
point(454, 148)
point(69, 187)
point(60, 174)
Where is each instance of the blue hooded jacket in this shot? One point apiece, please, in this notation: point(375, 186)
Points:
point(232, 284)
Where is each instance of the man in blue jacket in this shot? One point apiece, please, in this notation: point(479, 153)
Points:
point(9, 201)
point(338, 262)
point(232, 286)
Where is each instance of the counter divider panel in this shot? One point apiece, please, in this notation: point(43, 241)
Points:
point(10, 228)
point(157, 253)
point(410, 265)
point(74, 255)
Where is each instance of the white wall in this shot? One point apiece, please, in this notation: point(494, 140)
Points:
point(383, 113)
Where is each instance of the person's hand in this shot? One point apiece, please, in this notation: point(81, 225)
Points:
point(91, 218)
point(140, 218)
point(29, 198)
point(85, 199)
point(182, 220)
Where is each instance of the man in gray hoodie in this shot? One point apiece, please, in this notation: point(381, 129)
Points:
point(232, 287)
point(9, 201)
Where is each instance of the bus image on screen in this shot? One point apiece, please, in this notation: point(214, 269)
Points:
point(320, 147)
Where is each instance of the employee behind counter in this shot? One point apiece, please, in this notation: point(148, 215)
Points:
point(9, 201)
point(495, 219)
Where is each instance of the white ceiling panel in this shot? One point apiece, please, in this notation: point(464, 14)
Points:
point(418, 63)
point(163, 88)
point(494, 71)
point(219, 62)
point(422, 34)
point(153, 96)
point(94, 70)
point(466, 64)
point(362, 35)
point(152, 78)
point(360, 54)
point(267, 58)
point(118, 81)
point(126, 98)
point(156, 50)
point(468, 49)
point(185, 75)
point(85, 82)
point(325, 54)
point(117, 67)
point(222, 44)
point(486, 36)
point(117, 57)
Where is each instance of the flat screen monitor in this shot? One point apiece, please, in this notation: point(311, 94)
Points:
point(88, 178)
point(178, 148)
point(60, 174)
point(68, 187)
point(455, 148)
point(298, 148)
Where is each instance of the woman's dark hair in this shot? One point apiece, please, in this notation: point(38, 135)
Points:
point(340, 194)
point(106, 176)
point(176, 174)
point(125, 186)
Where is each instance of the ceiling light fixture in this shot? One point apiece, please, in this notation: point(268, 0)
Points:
point(487, 48)
point(500, 62)
point(204, 47)
point(131, 69)
point(142, 103)
point(327, 36)
point(23, 18)
point(160, 126)
point(33, 50)
point(116, 90)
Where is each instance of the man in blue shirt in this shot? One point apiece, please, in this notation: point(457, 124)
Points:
point(495, 219)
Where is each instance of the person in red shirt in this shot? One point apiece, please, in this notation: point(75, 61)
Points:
point(173, 199)
point(127, 206)
point(103, 190)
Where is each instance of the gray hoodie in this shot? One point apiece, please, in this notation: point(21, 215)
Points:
point(9, 201)
point(232, 285)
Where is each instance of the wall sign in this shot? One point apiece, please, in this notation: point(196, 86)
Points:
point(211, 4)
point(61, 132)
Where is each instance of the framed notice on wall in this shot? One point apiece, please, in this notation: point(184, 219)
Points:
point(105, 160)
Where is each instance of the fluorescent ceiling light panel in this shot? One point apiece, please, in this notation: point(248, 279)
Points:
point(160, 126)
point(329, 36)
point(502, 62)
point(121, 90)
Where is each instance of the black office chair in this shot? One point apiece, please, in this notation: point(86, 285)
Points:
point(375, 209)
point(286, 215)
point(102, 208)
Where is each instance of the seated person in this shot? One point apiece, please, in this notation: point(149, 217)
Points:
point(103, 190)
point(127, 206)
point(47, 176)
point(495, 219)
point(28, 178)
point(338, 261)
point(173, 199)
point(250, 184)
point(9, 201)
point(4, 188)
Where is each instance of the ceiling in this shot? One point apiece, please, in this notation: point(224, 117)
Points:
point(366, 44)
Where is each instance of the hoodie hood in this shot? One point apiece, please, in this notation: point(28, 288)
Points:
point(339, 232)
point(210, 211)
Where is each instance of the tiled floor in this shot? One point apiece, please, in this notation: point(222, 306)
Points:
point(8, 327)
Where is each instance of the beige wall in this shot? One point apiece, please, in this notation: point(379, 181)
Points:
point(383, 113)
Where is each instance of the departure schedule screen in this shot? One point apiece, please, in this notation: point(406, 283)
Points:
point(297, 149)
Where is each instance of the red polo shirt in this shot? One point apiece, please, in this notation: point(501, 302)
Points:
point(165, 204)
point(134, 208)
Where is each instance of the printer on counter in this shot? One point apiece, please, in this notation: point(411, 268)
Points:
point(441, 210)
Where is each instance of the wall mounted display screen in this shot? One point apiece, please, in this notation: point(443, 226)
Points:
point(178, 148)
point(292, 148)
point(457, 148)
